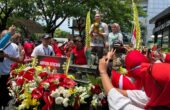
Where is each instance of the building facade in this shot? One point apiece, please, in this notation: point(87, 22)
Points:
point(154, 8)
point(162, 27)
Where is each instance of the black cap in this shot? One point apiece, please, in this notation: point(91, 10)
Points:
point(46, 36)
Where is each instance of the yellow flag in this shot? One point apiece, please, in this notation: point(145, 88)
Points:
point(67, 65)
point(88, 24)
point(137, 31)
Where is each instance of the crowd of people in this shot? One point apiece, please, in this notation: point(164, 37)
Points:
point(145, 86)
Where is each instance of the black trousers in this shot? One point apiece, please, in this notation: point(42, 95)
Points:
point(4, 92)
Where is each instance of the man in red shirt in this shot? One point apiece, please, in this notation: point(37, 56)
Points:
point(79, 53)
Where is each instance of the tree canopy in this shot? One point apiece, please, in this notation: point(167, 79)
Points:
point(54, 12)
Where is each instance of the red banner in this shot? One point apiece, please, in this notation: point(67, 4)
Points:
point(52, 61)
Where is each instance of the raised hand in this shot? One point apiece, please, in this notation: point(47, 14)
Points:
point(110, 54)
point(12, 29)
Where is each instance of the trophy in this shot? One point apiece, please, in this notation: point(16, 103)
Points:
point(97, 28)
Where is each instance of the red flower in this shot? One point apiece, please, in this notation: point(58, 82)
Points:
point(104, 101)
point(96, 89)
point(48, 101)
point(68, 83)
point(28, 76)
point(46, 107)
point(43, 74)
point(31, 70)
point(37, 93)
point(21, 73)
point(19, 81)
point(53, 87)
point(76, 103)
point(13, 66)
point(57, 76)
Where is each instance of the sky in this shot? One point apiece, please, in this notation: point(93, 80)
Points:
point(64, 26)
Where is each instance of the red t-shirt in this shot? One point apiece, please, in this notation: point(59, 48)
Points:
point(79, 56)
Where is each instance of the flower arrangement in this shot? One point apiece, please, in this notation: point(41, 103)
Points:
point(41, 88)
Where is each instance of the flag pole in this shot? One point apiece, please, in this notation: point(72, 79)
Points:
point(136, 30)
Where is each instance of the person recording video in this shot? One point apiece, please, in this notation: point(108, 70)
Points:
point(151, 77)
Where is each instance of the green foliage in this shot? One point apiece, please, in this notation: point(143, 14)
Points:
point(119, 11)
point(59, 33)
point(166, 50)
point(54, 12)
point(9, 8)
point(94, 80)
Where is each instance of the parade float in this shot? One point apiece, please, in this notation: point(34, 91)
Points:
point(40, 86)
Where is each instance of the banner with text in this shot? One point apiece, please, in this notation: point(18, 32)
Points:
point(52, 61)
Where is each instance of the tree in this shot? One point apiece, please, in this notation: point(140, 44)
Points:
point(59, 33)
point(9, 8)
point(119, 11)
point(6, 8)
point(54, 12)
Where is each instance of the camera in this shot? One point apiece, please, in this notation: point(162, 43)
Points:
point(118, 45)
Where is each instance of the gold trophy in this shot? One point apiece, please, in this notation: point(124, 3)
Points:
point(96, 27)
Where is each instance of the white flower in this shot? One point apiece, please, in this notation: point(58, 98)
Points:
point(95, 96)
point(83, 96)
point(59, 100)
point(31, 89)
point(89, 87)
point(46, 85)
point(27, 68)
point(22, 107)
point(32, 84)
point(61, 89)
point(65, 102)
point(80, 89)
point(38, 78)
point(16, 88)
point(13, 84)
point(66, 93)
point(22, 96)
point(11, 93)
point(55, 93)
point(101, 95)
point(94, 102)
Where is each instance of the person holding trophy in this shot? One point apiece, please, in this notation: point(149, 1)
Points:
point(99, 32)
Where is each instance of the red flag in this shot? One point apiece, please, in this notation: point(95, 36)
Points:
point(133, 40)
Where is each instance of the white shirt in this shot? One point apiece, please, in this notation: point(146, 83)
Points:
point(13, 51)
point(136, 100)
point(41, 50)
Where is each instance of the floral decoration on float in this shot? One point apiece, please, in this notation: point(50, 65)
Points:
point(42, 88)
